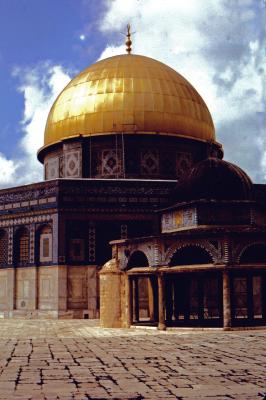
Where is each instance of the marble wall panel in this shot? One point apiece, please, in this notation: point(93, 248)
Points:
point(26, 294)
point(48, 288)
point(77, 287)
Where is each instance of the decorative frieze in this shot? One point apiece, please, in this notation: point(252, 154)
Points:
point(149, 162)
point(32, 243)
point(116, 189)
point(226, 250)
point(10, 245)
point(72, 164)
point(92, 243)
point(28, 193)
point(111, 162)
point(183, 163)
point(157, 256)
point(3, 247)
point(178, 219)
point(52, 168)
point(25, 220)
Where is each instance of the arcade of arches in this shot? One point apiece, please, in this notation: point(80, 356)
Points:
point(192, 290)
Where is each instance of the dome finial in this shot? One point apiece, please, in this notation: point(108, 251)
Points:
point(128, 40)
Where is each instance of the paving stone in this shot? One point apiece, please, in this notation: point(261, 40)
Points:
point(75, 359)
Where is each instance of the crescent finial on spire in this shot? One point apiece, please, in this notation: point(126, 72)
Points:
point(128, 40)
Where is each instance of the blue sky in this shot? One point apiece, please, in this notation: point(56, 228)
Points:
point(35, 31)
point(218, 45)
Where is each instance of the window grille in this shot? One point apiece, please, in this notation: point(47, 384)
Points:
point(23, 247)
point(3, 248)
point(45, 250)
point(45, 244)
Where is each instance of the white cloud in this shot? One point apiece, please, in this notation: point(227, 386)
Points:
point(39, 87)
point(112, 51)
point(220, 47)
point(8, 170)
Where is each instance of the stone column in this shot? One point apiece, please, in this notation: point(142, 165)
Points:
point(110, 295)
point(161, 303)
point(92, 289)
point(128, 301)
point(136, 299)
point(151, 298)
point(226, 301)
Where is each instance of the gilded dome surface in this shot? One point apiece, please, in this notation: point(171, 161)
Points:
point(130, 94)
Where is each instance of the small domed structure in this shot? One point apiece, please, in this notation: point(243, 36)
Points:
point(217, 179)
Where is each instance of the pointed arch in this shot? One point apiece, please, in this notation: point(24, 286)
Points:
point(189, 255)
point(253, 253)
point(137, 259)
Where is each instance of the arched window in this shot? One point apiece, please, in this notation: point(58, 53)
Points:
point(255, 253)
point(137, 259)
point(22, 247)
point(190, 255)
point(45, 244)
point(3, 247)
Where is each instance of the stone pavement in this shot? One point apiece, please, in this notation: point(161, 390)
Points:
point(75, 359)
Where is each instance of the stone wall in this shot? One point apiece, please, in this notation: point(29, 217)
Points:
point(57, 291)
point(6, 290)
point(25, 288)
point(48, 288)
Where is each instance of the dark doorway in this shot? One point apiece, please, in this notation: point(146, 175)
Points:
point(248, 299)
point(193, 300)
point(144, 300)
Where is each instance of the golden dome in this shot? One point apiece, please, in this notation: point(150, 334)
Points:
point(130, 94)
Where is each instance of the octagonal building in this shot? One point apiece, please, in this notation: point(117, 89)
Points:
point(130, 157)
